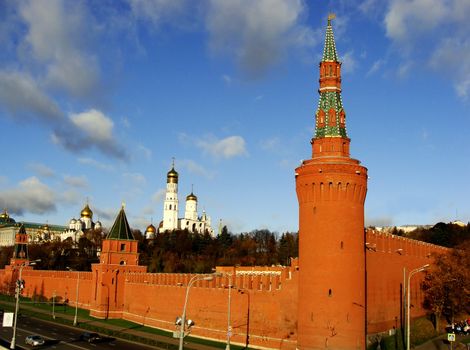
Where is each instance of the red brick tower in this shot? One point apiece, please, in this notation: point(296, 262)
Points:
point(331, 189)
point(119, 255)
point(20, 251)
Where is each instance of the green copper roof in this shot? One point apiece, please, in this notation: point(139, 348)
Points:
point(330, 100)
point(121, 229)
point(329, 52)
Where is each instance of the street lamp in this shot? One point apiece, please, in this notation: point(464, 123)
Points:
point(247, 293)
point(75, 319)
point(229, 327)
point(412, 272)
point(17, 296)
point(183, 317)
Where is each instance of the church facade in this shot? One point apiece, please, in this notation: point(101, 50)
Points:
point(191, 220)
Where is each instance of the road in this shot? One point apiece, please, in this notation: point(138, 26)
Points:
point(62, 337)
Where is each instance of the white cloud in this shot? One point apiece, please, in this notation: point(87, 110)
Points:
point(41, 169)
point(349, 62)
point(158, 196)
point(227, 79)
point(145, 151)
point(136, 179)
point(70, 196)
point(30, 196)
point(3, 180)
point(195, 168)
point(256, 33)
point(435, 33)
point(94, 124)
point(56, 36)
point(404, 69)
point(76, 181)
point(96, 164)
point(271, 144)
point(106, 214)
point(229, 147)
point(375, 67)
point(157, 11)
point(90, 129)
point(454, 53)
point(22, 97)
point(407, 19)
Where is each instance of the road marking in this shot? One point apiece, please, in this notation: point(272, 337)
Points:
point(60, 341)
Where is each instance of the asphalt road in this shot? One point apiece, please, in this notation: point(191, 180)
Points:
point(62, 337)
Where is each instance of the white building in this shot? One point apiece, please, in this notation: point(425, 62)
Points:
point(191, 220)
point(78, 227)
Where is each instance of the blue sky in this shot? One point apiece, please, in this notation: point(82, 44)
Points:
point(96, 97)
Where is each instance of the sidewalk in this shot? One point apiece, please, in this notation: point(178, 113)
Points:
point(441, 343)
point(162, 341)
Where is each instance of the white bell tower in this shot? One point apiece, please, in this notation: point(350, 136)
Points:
point(170, 206)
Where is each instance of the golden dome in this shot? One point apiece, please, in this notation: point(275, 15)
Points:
point(151, 228)
point(86, 212)
point(191, 197)
point(4, 215)
point(172, 176)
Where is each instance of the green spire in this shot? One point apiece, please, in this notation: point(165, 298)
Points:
point(121, 229)
point(329, 52)
point(330, 115)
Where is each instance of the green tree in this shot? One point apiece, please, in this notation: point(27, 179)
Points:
point(447, 284)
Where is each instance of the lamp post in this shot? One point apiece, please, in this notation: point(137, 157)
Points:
point(53, 305)
point(229, 327)
point(17, 302)
point(183, 317)
point(77, 288)
point(411, 273)
point(247, 293)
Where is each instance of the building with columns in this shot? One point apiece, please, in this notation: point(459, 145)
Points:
point(331, 190)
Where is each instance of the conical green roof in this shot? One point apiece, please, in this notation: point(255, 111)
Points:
point(329, 51)
point(121, 229)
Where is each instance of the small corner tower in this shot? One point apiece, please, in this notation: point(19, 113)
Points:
point(331, 190)
point(119, 255)
point(170, 206)
point(20, 251)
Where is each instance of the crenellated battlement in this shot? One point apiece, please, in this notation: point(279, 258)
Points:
point(384, 242)
point(331, 191)
point(253, 278)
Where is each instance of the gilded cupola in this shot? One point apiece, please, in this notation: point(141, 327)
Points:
point(86, 212)
point(172, 176)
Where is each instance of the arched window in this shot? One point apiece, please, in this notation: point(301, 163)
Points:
point(321, 118)
point(332, 117)
point(342, 118)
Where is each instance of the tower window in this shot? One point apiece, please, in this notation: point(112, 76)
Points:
point(123, 247)
point(330, 292)
point(170, 206)
point(342, 245)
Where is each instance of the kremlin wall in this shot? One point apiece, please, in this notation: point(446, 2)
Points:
point(346, 285)
point(263, 299)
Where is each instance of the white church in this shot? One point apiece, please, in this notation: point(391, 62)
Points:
point(191, 220)
point(78, 227)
